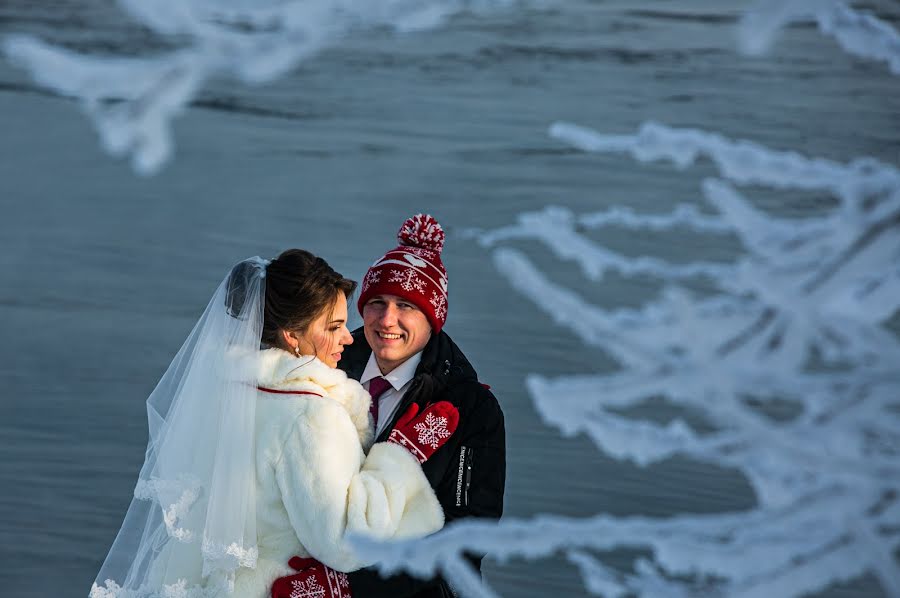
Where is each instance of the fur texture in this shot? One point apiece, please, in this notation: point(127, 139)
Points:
point(280, 370)
point(314, 480)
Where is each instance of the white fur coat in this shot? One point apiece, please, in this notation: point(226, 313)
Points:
point(314, 480)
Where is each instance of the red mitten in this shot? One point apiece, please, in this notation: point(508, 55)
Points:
point(428, 432)
point(314, 580)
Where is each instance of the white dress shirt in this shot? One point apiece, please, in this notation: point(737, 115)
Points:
point(400, 378)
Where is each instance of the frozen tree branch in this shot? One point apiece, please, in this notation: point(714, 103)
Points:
point(797, 317)
point(826, 479)
point(556, 228)
point(133, 101)
point(767, 552)
point(859, 33)
point(743, 162)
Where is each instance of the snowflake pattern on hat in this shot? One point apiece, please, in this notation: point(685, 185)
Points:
point(372, 277)
point(440, 305)
point(408, 280)
point(413, 270)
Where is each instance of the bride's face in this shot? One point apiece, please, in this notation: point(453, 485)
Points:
point(326, 336)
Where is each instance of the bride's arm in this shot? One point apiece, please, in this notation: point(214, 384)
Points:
point(329, 487)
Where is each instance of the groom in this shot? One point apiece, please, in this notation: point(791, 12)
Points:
point(402, 356)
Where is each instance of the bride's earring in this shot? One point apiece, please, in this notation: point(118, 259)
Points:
point(297, 350)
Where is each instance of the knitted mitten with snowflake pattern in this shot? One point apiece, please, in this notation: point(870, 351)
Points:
point(314, 580)
point(424, 433)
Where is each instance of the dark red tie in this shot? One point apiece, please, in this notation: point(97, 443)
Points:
point(377, 387)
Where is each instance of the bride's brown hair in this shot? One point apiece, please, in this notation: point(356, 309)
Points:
point(299, 288)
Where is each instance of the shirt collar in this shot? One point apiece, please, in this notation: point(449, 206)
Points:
point(398, 377)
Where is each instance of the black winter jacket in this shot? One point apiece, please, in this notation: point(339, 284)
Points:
point(468, 473)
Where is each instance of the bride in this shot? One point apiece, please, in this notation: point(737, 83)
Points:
point(261, 450)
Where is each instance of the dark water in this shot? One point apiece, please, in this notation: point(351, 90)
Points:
point(102, 274)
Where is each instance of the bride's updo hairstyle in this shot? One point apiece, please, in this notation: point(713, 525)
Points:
point(299, 288)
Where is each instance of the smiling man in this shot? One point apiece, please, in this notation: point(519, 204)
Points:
point(403, 356)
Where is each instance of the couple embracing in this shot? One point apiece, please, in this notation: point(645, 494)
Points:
point(276, 433)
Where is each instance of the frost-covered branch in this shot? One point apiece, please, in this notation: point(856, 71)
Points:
point(859, 33)
point(826, 478)
point(861, 230)
point(133, 101)
point(755, 551)
point(743, 162)
point(557, 229)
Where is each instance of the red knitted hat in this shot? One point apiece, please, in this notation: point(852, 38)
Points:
point(413, 270)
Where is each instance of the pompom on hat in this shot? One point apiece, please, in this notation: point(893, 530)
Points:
point(413, 270)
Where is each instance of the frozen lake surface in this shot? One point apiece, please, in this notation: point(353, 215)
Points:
point(104, 273)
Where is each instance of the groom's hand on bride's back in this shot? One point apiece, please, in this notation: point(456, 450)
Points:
point(424, 433)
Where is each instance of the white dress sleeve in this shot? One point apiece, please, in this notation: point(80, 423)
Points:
point(329, 487)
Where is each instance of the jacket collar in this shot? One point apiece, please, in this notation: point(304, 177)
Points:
point(442, 359)
point(398, 377)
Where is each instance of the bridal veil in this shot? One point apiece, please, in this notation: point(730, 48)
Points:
point(192, 521)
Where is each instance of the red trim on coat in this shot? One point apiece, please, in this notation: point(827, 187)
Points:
point(288, 392)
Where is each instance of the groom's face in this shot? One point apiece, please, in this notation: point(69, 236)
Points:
point(395, 328)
